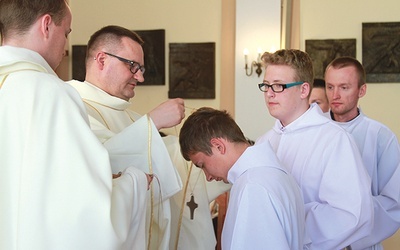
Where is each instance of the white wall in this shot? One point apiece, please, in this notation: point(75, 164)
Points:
point(257, 26)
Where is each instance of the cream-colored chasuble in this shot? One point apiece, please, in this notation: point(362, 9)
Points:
point(125, 135)
point(115, 124)
point(56, 182)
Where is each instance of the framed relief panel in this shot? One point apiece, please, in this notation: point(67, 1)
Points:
point(381, 51)
point(192, 70)
point(322, 52)
point(78, 62)
point(154, 56)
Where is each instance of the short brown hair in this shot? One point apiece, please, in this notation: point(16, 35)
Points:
point(17, 16)
point(109, 36)
point(347, 61)
point(298, 60)
point(205, 124)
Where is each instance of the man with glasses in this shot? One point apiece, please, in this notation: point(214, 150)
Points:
point(321, 156)
point(114, 65)
point(110, 82)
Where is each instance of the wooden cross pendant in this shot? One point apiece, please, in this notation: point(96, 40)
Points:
point(192, 205)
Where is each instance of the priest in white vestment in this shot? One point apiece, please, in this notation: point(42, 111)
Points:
point(126, 134)
point(110, 120)
point(196, 233)
point(379, 147)
point(56, 184)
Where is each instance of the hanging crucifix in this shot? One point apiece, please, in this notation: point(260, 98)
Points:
point(192, 205)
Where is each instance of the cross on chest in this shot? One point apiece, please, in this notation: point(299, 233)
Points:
point(192, 206)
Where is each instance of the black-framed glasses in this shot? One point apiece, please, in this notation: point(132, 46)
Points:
point(134, 66)
point(277, 87)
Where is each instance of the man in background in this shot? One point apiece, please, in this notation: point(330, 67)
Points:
point(318, 95)
point(379, 147)
point(56, 184)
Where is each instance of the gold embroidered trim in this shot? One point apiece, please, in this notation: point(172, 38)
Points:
point(95, 109)
point(3, 80)
point(183, 206)
point(16, 67)
point(151, 185)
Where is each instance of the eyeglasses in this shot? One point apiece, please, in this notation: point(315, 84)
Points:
point(134, 66)
point(277, 88)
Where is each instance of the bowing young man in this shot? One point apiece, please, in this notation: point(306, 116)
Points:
point(265, 209)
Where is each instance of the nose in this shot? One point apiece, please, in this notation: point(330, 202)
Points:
point(139, 76)
point(209, 177)
point(270, 92)
point(335, 94)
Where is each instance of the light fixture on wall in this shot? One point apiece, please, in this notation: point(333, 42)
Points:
point(254, 64)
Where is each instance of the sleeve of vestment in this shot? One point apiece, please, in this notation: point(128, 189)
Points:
point(216, 188)
point(386, 192)
point(130, 148)
point(132, 183)
point(343, 211)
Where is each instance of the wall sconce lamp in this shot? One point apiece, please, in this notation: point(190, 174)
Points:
point(254, 64)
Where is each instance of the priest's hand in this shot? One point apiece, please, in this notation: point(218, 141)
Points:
point(114, 176)
point(148, 176)
point(168, 114)
point(149, 180)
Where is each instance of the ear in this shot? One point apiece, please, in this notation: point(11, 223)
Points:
point(100, 58)
point(362, 91)
point(218, 144)
point(305, 90)
point(45, 22)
